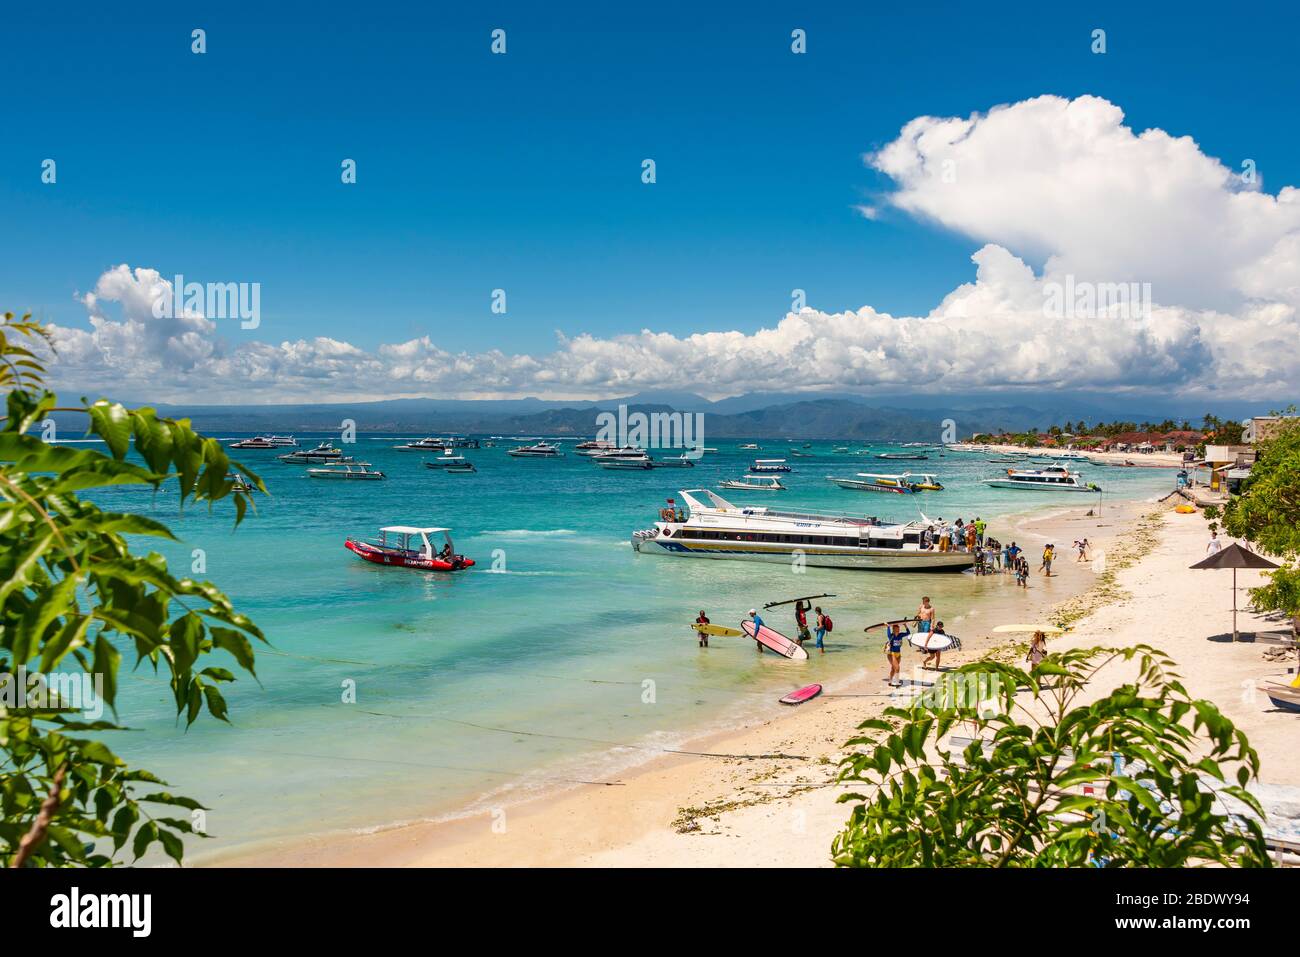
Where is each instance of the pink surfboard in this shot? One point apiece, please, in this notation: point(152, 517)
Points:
point(774, 640)
point(803, 694)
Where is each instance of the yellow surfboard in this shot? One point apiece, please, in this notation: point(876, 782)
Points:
point(717, 631)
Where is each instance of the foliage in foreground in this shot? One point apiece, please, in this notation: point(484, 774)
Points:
point(1267, 514)
point(1022, 803)
point(73, 595)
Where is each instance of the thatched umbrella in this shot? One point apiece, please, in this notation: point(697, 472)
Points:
point(1234, 557)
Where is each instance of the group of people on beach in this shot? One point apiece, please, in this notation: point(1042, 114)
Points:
point(958, 536)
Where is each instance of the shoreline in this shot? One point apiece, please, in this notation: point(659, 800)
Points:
point(1150, 460)
point(678, 794)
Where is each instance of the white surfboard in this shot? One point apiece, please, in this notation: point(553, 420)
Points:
point(937, 642)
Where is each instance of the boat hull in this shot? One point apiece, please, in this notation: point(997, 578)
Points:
point(873, 487)
point(866, 559)
point(398, 559)
point(1038, 486)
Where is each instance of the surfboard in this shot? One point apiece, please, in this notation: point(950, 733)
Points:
point(937, 642)
point(717, 631)
point(774, 640)
point(896, 621)
point(806, 693)
point(791, 601)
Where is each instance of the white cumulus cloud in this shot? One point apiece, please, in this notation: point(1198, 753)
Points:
point(1061, 183)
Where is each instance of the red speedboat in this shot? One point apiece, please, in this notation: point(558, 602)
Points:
point(410, 548)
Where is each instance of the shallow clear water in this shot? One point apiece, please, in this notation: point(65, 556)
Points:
point(573, 643)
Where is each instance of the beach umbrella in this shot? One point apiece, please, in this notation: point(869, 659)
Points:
point(1234, 556)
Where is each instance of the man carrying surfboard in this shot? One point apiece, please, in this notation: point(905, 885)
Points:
point(704, 635)
point(801, 620)
point(758, 623)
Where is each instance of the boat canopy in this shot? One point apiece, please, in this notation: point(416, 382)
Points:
point(410, 530)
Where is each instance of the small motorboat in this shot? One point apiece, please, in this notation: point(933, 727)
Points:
point(542, 450)
point(755, 483)
point(458, 469)
point(769, 465)
point(749, 447)
point(923, 481)
point(399, 551)
point(874, 482)
point(360, 472)
point(448, 460)
point(907, 456)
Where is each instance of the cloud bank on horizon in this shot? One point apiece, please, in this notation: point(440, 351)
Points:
point(1057, 181)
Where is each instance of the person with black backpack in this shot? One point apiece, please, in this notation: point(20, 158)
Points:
point(824, 625)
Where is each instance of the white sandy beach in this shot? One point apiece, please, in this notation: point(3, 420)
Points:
point(753, 811)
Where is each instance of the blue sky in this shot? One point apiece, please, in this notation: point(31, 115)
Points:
point(523, 171)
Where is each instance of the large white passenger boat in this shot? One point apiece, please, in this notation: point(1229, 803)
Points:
point(717, 529)
point(1053, 478)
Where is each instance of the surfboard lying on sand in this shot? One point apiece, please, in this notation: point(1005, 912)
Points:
point(717, 630)
point(806, 693)
point(937, 642)
point(774, 640)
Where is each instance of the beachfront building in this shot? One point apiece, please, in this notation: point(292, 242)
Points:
point(1261, 428)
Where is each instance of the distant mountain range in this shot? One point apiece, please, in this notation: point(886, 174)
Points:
point(903, 418)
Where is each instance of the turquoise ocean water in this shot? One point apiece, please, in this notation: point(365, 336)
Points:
point(563, 656)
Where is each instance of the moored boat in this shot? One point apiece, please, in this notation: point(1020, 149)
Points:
point(628, 457)
point(447, 460)
point(769, 465)
point(324, 452)
point(875, 482)
point(410, 547)
point(267, 442)
point(755, 483)
point(923, 481)
point(715, 528)
point(542, 450)
point(1053, 478)
point(359, 472)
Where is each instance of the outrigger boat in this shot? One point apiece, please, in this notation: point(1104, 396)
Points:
point(402, 554)
point(717, 529)
point(755, 483)
point(1053, 478)
point(267, 442)
point(875, 482)
point(542, 450)
point(769, 465)
point(459, 469)
point(358, 472)
point(910, 456)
